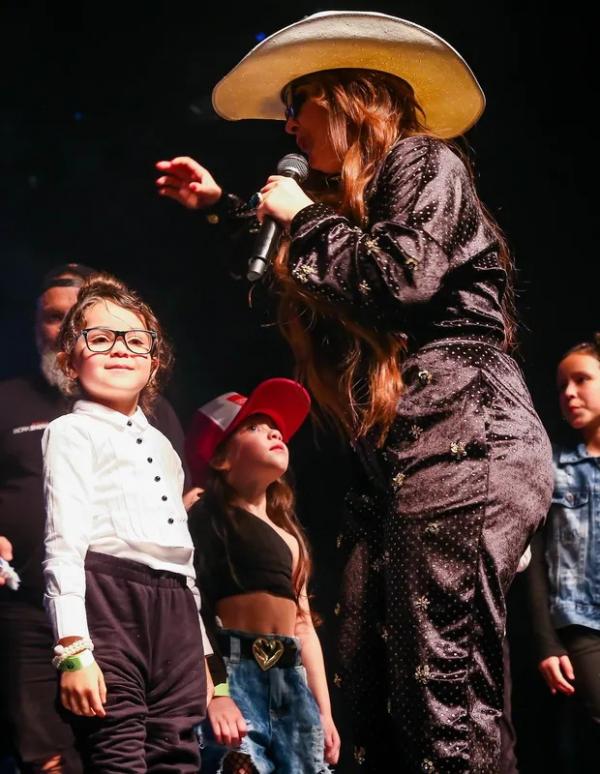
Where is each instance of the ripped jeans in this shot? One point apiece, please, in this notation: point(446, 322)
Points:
point(284, 725)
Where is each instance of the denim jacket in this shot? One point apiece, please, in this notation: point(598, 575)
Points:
point(573, 539)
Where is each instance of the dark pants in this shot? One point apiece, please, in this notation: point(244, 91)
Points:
point(583, 647)
point(147, 639)
point(29, 715)
point(433, 544)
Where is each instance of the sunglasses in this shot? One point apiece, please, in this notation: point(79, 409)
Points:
point(294, 106)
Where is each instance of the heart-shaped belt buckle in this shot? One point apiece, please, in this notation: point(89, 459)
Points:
point(267, 652)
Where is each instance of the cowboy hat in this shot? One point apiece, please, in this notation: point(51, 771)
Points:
point(444, 84)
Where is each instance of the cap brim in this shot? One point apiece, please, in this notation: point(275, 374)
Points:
point(284, 400)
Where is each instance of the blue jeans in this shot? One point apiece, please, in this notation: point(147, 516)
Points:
point(284, 725)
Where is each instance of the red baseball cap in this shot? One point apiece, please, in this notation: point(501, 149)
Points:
point(284, 400)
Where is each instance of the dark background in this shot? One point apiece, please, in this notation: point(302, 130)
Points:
point(93, 94)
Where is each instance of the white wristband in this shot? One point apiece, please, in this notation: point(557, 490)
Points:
point(76, 662)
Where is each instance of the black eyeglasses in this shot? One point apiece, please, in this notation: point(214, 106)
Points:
point(295, 103)
point(140, 342)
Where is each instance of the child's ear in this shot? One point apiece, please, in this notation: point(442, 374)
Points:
point(154, 368)
point(221, 463)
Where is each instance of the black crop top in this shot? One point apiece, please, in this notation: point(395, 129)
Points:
point(238, 555)
point(235, 556)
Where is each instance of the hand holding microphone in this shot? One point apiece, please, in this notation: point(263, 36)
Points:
point(279, 201)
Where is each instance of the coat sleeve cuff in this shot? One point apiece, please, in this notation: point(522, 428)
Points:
point(311, 213)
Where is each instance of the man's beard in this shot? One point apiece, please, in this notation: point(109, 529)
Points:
point(52, 372)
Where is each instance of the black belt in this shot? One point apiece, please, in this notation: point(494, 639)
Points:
point(268, 652)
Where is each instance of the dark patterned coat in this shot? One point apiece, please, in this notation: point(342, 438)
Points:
point(445, 509)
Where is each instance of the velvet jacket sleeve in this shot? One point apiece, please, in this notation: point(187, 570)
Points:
point(236, 223)
point(421, 202)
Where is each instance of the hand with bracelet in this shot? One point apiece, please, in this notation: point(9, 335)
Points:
point(82, 688)
point(228, 724)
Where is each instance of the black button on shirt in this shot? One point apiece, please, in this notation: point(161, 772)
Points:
point(164, 498)
point(157, 478)
point(138, 440)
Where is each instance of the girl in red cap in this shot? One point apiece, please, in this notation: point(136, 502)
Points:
point(253, 566)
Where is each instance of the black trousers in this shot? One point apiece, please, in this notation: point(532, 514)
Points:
point(146, 633)
point(29, 718)
point(583, 647)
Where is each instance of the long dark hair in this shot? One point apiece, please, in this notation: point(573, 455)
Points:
point(352, 369)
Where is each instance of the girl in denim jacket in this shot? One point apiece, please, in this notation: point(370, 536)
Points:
point(565, 571)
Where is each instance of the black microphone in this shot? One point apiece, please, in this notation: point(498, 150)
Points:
point(267, 240)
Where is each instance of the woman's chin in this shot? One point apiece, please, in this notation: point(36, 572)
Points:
point(325, 167)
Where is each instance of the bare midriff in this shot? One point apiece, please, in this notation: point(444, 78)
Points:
point(258, 612)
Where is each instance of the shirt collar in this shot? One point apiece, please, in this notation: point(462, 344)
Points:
point(138, 420)
point(578, 454)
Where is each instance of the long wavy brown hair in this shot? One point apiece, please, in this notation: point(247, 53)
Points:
point(281, 509)
point(104, 287)
point(353, 369)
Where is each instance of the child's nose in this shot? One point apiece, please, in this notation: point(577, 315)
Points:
point(120, 347)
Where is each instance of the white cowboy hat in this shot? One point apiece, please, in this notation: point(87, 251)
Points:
point(443, 83)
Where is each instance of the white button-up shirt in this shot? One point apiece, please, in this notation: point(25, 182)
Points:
point(112, 484)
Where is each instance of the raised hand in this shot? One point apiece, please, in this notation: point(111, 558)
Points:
point(188, 182)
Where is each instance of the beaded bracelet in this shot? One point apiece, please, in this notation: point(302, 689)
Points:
point(61, 652)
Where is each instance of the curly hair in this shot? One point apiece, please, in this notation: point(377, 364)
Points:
point(104, 287)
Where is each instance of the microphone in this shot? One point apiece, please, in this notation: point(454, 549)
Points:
point(267, 240)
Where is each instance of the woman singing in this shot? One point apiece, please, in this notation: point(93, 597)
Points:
point(395, 294)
